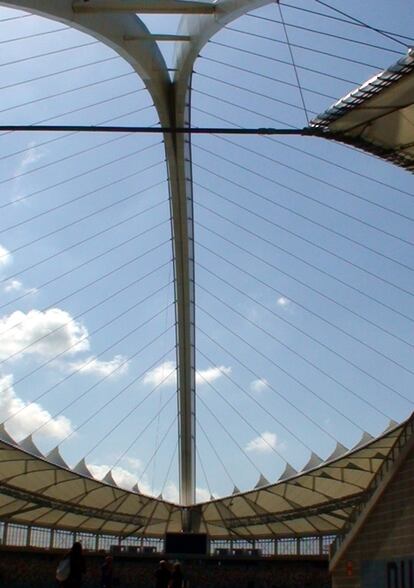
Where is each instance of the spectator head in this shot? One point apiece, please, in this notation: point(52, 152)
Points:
point(77, 548)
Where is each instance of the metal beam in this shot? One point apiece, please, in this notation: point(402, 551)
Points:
point(180, 174)
point(155, 130)
point(312, 511)
point(157, 37)
point(143, 6)
point(39, 501)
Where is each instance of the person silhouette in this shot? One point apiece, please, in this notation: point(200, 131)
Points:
point(162, 575)
point(77, 567)
point(176, 576)
point(107, 572)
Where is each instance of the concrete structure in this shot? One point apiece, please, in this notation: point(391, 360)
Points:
point(378, 551)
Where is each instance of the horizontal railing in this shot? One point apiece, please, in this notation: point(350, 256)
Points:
point(14, 535)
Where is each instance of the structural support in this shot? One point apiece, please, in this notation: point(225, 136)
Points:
point(178, 153)
point(115, 22)
point(144, 6)
point(158, 130)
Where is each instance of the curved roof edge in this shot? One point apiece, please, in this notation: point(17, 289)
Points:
point(291, 474)
point(316, 501)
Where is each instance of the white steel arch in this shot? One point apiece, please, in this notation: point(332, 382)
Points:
point(116, 24)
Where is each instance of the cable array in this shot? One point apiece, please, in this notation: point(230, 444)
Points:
point(325, 34)
point(385, 34)
point(101, 353)
point(94, 238)
point(340, 257)
point(267, 227)
point(263, 76)
point(290, 220)
point(284, 62)
point(304, 47)
point(353, 22)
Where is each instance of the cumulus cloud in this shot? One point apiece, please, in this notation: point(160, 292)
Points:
point(126, 477)
point(166, 375)
point(259, 385)
point(96, 367)
point(171, 492)
point(202, 494)
point(30, 156)
point(211, 374)
point(162, 375)
point(123, 477)
point(43, 334)
point(283, 302)
point(29, 419)
point(5, 256)
point(15, 285)
point(134, 463)
point(47, 334)
point(265, 443)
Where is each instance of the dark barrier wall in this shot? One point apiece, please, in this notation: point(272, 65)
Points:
point(382, 552)
point(28, 569)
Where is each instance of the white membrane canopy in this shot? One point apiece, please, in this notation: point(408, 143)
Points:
point(35, 491)
point(378, 116)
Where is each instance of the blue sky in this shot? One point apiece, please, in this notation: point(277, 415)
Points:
point(304, 292)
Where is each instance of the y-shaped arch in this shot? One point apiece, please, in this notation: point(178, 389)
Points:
point(172, 101)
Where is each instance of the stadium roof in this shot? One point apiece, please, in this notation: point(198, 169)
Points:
point(42, 491)
point(378, 116)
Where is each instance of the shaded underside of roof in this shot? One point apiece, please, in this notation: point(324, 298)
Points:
point(377, 117)
point(35, 491)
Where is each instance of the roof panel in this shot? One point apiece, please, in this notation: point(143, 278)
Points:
point(378, 116)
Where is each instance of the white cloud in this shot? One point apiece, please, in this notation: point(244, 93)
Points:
point(94, 366)
point(211, 374)
point(13, 285)
point(30, 156)
point(55, 328)
point(171, 492)
point(162, 375)
point(126, 477)
point(259, 385)
point(134, 463)
point(265, 443)
point(282, 301)
point(17, 286)
point(165, 375)
point(123, 477)
point(29, 419)
point(202, 494)
point(5, 256)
